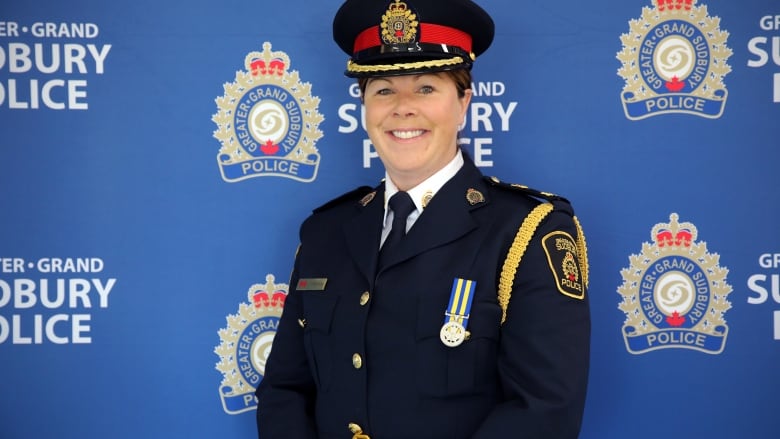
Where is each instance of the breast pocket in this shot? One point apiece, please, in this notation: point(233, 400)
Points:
point(467, 369)
point(318, 311)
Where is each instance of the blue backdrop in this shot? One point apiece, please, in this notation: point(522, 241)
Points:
point(149, 222)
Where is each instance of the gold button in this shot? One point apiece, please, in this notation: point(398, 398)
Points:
point(364, 298)
point(357, 361)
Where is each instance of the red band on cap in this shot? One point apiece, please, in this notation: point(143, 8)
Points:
point(431, 34)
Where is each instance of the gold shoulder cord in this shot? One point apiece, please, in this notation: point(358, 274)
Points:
point(582, 249)
point(516, 252)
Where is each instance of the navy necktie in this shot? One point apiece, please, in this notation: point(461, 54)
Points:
point(402, 205)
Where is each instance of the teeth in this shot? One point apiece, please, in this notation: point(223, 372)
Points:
point(407, 134)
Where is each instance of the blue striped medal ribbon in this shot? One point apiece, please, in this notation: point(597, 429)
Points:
point(456, 317)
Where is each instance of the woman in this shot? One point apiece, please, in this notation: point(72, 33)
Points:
point(472, 321)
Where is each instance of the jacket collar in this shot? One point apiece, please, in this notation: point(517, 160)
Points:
point(446, 218)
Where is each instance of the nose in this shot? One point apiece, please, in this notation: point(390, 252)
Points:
point(405, 106)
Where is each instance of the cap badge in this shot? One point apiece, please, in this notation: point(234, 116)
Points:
point(399, 24)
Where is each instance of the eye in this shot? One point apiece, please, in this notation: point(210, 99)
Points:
point(426, 89)
point(378, 90)
point(378, 87)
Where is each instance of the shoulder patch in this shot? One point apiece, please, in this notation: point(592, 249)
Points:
point(565, 262)
point(357, 195)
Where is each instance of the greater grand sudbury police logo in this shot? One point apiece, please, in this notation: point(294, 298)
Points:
point(674, 61)
point(246, 343)
point(674, 293)
point(267, 122)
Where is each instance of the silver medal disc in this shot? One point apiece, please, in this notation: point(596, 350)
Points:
point(452, 334)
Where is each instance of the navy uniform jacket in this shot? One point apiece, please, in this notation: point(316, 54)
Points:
point(365, 348)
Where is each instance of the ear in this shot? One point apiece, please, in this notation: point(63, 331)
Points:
point(465, 101)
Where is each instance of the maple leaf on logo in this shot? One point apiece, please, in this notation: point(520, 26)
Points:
point(675, 84)
point(269, 147)
point(675, 319)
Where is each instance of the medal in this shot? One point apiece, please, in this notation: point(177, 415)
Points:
point(456, 317)
point(452, 334)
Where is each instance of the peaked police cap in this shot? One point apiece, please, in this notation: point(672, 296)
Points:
point(399, 37)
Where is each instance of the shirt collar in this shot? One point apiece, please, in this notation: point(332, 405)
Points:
point(423, 192)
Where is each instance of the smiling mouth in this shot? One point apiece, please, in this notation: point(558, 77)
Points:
point(407, 134)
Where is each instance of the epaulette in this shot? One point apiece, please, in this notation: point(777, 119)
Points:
point(358, 194)
point(525, 189)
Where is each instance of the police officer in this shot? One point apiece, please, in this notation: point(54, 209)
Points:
point(440, 303)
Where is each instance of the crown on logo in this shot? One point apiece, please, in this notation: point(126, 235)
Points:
point(674, 234)
point(674, 5)
point(267, 63)
point(268, 295)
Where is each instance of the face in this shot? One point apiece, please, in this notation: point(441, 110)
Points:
point(412, 121)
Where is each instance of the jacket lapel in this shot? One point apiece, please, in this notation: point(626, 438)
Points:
point(447, 217)
point(362, 233)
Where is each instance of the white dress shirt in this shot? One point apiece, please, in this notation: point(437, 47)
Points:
point(421, 194)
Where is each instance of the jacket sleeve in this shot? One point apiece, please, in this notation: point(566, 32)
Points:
point(545, 344)
point(286, 394)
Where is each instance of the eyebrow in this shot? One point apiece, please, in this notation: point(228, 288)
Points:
point(417, 77)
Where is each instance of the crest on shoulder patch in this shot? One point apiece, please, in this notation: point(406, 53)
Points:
point(246, 344)
point(563, 256)
point(674, 293)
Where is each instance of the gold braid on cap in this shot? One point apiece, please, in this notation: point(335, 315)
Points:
point(516, 252)
point(357, 68)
